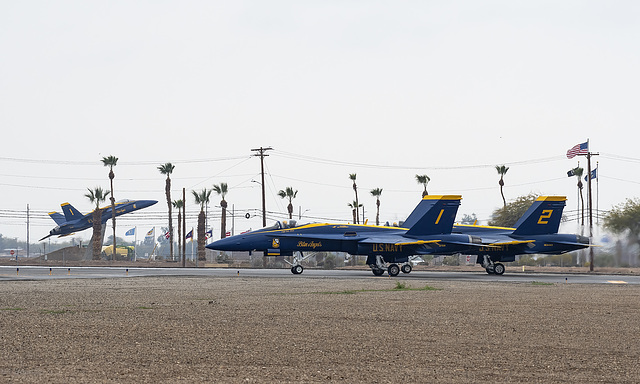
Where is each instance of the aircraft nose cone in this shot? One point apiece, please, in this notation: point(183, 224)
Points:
point(145, 203)
point(582, 239)
point(227, 244)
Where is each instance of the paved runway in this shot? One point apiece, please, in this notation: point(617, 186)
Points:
point(46, 273)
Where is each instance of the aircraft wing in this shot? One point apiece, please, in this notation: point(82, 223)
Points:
point(395, 240)
point(512, 242)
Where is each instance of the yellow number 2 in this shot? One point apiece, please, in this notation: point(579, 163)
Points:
point(545, 215)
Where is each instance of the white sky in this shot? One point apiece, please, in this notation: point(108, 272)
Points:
point(447, 89)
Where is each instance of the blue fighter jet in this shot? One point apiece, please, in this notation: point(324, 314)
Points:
point(536, 232)
point(426, 231)
point(73, 221)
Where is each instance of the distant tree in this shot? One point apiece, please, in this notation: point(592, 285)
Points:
point(469, 219)
point(167, 169)
point(424, 180)
point(111, 161)
point(178, 204)
point(377, 193)
point(624, 218)
point(222, 189)
point(507, 216)
point(352, 177)
point(502, 170)
point(97, 196)
point(201, 198)
point(289, 194)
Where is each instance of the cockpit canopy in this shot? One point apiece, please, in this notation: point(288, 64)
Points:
point(282, 225)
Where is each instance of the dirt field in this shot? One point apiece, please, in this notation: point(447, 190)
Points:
point(316, 330)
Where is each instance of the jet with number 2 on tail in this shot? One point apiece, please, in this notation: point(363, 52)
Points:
point(73, 221)
point(426, 231)
point(536, 232)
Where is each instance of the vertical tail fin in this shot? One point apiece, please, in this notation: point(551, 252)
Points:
point(70, 213)
point(433, 215)
point(543, 217)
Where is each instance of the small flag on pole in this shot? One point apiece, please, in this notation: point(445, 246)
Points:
point(167, 235)
point(131, 232)
point(571, 172)
point(208, 234)
point(151, 233)
point(594, 175)
point(189, 235)
point(578, 149)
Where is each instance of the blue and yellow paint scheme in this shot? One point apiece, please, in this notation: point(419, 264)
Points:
point(536, 232)
point(427, 230)
point(72, 220)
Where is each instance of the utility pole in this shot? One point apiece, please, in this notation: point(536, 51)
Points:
point(589, 154)
point(261, 152)
point(184, 227)
point(27, 230)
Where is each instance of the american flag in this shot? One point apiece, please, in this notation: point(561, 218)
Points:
point(578, 149)
point(167, 235)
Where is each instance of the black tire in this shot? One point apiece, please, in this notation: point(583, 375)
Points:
point(292, 271)
point(297, 269)
point(406, 268)
point(490, 270)
point(377, 271)
point(498, 268)
point(393, 270)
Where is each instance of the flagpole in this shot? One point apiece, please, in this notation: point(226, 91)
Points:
point(135, 244)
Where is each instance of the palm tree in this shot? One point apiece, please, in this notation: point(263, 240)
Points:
point(377, 193)
point(111, 162)
point(290, 194)
point(167, 169)
point(222, 190)
point(424, 180)
point(97, 196)
point(578, 172)
point(354, 209)
point(201, 198)
point(178, 204)
point(352, 176)
point(502, 170)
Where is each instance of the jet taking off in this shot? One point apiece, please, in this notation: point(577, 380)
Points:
point(536, 232)
point(73, 221)
point(427, 230)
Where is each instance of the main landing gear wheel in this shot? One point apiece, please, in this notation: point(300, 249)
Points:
point(393, 270)
point(297, 269)
point(377, 271)
point(406, 268)
point(490, 270)
point(498, 268)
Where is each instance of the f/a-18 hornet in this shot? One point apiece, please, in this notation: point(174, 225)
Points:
point(427, 230)
point(536, 232)
point(73, 221)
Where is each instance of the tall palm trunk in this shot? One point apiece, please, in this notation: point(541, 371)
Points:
point(167, 191)
point(223, 226)
point(377, 212)
point(504, 202)
point(290, 209)
point(201, 236)
point(113, 214)
point(96, 239)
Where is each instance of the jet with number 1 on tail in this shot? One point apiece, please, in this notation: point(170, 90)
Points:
point(426, 231)
point(536, 232)
point(74, 221)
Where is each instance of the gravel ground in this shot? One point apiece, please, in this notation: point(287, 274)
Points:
point(296, 329)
